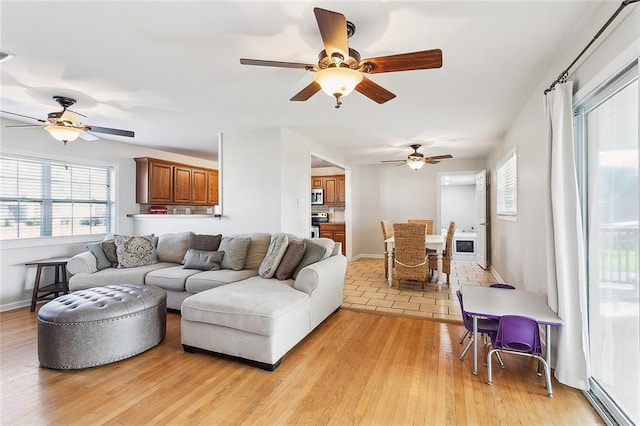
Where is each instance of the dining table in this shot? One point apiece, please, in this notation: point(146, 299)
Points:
point(434, 242)
point(488, 302)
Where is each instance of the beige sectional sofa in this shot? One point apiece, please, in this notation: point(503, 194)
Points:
point(239, 313)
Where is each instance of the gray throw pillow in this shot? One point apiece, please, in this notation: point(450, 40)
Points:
point(292, 257)
point(205, 242)
point(109, 248)
point(314, 253)
point(275, 252)
point(102, 262)
point(203, 260)
point(135, 250)
point(235, 252)
point(173, 247)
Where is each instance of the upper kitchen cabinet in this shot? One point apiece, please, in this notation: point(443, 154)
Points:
point(334, 189)
point(164, 182)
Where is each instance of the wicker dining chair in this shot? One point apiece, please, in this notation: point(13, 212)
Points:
point(446, 256)
point(387, 232)
point(427, 222)
point(410, 259)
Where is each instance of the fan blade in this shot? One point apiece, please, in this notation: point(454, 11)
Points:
point(279, 64)
point(25, 116)
point(438, 157)
point(393, 161)
point(25, 125)
point(108, 131)
point(422, 60)
point(374, 91)
point(333, 29)
point(432, 162)
point(310, 90)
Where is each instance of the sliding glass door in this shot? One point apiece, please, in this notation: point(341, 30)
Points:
point(607, 132)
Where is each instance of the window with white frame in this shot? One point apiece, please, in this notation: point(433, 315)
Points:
point(507, 185)
point(45, 198)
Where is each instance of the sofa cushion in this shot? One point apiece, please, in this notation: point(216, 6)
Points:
point(109, 276)
point(135, 250)
point(210, 279)
point(205, 242)
point(173, 247)
point(102, 262)
point(313, 253)
point(292, 257)
point(109, 248)
point(203, 260)
point(171, 278)
point(275, 253)
point(235, 252)
point(257, 249)
point(255, 305)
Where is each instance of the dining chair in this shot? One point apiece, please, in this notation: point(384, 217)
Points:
point(410, 258)
point(446, 256)
point(387, 232)
point(519, 335)
point(427, 222)
point(486, 327)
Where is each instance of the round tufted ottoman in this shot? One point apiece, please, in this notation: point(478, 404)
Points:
point(100, 325)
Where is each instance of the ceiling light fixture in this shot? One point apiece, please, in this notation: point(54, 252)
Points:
point(64, 133)
point(415, 163)
point(338, 81)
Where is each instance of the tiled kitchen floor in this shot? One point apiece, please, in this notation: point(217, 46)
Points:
point(365, 288)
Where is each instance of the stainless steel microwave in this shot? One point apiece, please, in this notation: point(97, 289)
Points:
point(317, 196)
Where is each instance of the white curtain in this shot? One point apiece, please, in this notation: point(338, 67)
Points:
point(567, 287)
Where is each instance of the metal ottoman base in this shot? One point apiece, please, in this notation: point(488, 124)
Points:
point(100, 325)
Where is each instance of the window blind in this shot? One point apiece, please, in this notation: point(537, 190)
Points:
point(507, 185)
point(40, 198)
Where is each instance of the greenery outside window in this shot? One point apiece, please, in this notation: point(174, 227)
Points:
point(44, 198)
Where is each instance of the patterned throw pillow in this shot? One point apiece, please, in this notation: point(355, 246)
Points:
point(275, 252)
point(135, 251)
point(292, 257)
point(235, 252)
point(203, 260)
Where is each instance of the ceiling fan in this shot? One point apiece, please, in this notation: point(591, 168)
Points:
point(340, 70)
point(65, 125)
point(416, 160)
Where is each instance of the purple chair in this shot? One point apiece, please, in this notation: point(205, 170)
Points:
point(520, 336)
point(486, 327)
point(505, 286)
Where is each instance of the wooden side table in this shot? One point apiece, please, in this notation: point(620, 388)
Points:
point(59, 286)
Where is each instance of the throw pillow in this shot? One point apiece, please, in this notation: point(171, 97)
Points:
point(109, 248)
point(235, 252)
point(203, 260)
point(135, 251)
point(257, 249)
point(102, 262)
point(314, 253)
point(275, 252)
point(292, 257)
point(205, 242)
point(173, 247)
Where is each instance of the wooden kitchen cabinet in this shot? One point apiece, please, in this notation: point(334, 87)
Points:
point(335, 231)
point(341, 191)
point(213, 193)
point(330, 191)
point(154, 181)
point(334, 189)
point(317, 182)
point(165, 182)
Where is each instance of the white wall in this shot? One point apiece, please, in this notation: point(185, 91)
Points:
point(395, 194)
point(518, 249)
point(458, 204)
point(16, 280)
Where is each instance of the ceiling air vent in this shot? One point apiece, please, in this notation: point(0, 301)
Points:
point(5, 56)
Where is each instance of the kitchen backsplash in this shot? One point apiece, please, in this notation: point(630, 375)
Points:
point(336, 214)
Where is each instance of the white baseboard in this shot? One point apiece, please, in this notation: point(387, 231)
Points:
point(14, 305)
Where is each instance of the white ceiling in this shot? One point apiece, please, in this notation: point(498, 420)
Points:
point(170, 70)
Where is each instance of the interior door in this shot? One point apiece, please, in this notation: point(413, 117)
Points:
point(481, 219)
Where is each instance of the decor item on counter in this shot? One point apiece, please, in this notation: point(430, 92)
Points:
point(415, 160)
point(158, 210)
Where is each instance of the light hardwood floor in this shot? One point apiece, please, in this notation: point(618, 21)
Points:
point(355, 368)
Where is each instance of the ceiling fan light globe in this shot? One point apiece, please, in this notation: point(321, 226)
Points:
point(63, 133)
point(337, 80)
point(415, 164)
